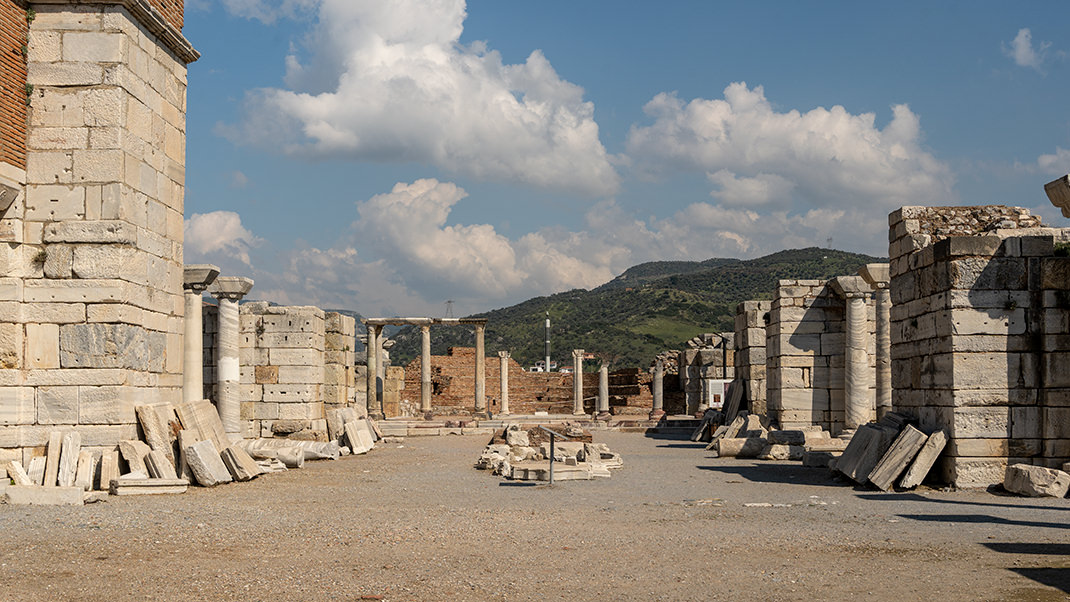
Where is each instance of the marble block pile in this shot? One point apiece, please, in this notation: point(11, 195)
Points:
point(522, 458)
point(890, 450)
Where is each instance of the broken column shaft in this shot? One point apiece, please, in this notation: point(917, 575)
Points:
point(504, 371)
point(229, 291)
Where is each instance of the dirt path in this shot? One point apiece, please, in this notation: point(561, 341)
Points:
point(417, 522)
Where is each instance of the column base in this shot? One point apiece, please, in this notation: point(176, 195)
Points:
point(656, 414)
point(376, 415)
point(603, 416)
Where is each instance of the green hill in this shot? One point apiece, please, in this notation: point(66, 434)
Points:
point(647, 309)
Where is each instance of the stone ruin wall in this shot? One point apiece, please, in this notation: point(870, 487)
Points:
point(751, 317)
point(805, 350)
point(453, 388)
point(980, 328)
point(696, 365)
point(91, 303)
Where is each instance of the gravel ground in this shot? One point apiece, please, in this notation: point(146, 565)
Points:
point(415, 521)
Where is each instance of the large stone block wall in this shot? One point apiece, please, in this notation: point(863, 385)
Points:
point(751, 317)
point(805, 350)
point(14, 35)
point(282, 367)
point(980, 323)
point(696, 366)
point(91, 303)
point(339, 375)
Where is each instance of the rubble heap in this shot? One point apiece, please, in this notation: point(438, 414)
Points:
point(524, 455)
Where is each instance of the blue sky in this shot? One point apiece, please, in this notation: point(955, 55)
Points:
point(387, 156)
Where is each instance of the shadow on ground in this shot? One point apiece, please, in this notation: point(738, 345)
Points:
point(914, 497)
point(768, 472)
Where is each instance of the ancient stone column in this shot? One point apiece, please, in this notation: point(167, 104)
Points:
point(195, 280)
point(375, 408)
point(504, 372)
point(425, 368)
point(481, 371)
point(659, 391)
point(603, 392)
point(855, 290)
point(229, 291)
point(876, 274)
point(577, 382)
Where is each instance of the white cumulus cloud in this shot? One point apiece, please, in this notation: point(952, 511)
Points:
point(220, 234)
point(1022, 51)
point(1057, 163)
point(390, 81)
point(756, 155)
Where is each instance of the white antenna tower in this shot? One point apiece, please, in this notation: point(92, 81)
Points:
point(449, 308)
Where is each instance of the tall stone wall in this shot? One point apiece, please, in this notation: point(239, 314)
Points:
point(339, 376)
point(282, 370)
point(980, 332)
point(805, 351)
point(91, 304)
point(697, 367)
point(750, 353)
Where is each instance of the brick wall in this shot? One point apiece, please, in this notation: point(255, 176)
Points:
point(172, 10)
point(13, 39)
point(453, 387)
point(980, 326)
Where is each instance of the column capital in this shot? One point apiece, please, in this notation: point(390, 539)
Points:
point(504, 355)
point(851, 287)
point(231, 288)
point(197, 277)
point(577, 354)
point(875, 274)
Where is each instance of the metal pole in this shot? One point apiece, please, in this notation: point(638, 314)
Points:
point(551, 458)
point(547, 367)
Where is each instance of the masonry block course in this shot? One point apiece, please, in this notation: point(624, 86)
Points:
point(975, 341)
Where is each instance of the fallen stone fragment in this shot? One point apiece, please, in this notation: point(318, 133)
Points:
point(36, 470)
point(20, 495)
point(134, 453)
point(68, 459)
point(240, 464)
point(18, 474)
point(313, 450)
point(740, 448)
point(186, 438)
point(291, 457)
point(207, 466)
point(819, 459)
point(159, 466)
point(155, 431)
point(55, 442)
point(866, 448)
point(898, 458)
point(109, 470)
point(84, 475)
point(515, 436)
point(924, 461)
point(1036, 481)
point(129, 486)
point(359, 436)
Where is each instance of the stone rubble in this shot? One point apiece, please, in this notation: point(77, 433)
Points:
point(1036, 481)
point(512, 455)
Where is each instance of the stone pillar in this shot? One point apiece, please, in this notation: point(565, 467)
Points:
point(481, 371)
point(375, 408)
point(229, 291)
point(659, 391)
point(504, 372)
point(425, 369)
point(855, 290)
point(577, 382)
point(195, 280)
point(876, 274)
point(603, 392)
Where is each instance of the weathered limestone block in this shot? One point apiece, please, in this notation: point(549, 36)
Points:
point(740, 448)
point(819, 459)
point(109, 470)
point(1036, 481)
point(55, 443)
point(18, 474)
point(240, 464)
point(84, 475)
point(517, 437)
point(898, 457)
point(112, 346)
point(44, 496)
point(159, 466)
point(156, 432)
point(36, 470)
point(865, 450)
point(359, 437)
point(207, 466)
point(68, 459)
point(134, 452)
point(924, 461)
